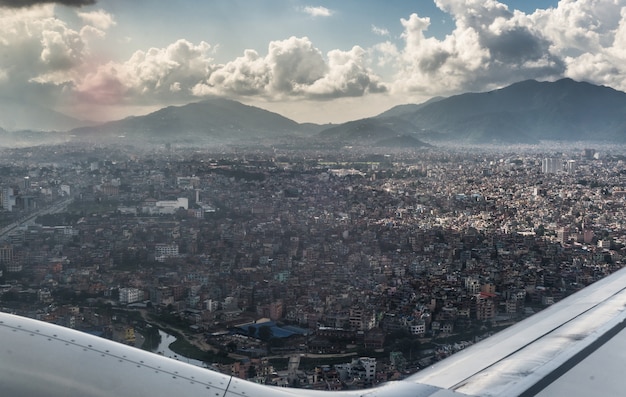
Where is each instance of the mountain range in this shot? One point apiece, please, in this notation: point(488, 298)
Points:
point(17, 115)
point(524, 112)
point(214, 120)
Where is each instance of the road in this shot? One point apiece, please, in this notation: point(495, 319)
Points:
point(53, 209)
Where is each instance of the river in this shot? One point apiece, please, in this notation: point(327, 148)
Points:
point(164, 349)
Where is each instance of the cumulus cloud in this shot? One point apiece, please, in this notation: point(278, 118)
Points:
point(576, 27)
point(295, 63)
point(317, 11)
point(347, 76)
point(589, 35)
point(40, 51)
point(45, 55)
point(489, 46)
point(29, 3)
point(292, 68)
point(157, 74)
point(246, 75)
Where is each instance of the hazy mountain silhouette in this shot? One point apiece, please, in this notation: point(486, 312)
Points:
point(211, 120)
point(15, 116)
point(527, 112)
point(408, 108)
point(373, 132)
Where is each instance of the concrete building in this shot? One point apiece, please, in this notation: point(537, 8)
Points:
point(170, 206)
point(130, 295)
point(8, 199)
point(550, 165)
point(165, 251)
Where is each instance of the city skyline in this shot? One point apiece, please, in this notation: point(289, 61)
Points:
point(319, 62)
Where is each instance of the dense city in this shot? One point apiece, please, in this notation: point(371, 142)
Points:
point(328, 270)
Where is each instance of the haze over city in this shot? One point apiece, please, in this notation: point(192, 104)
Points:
point(312, 62)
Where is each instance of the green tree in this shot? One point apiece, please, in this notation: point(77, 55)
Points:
point(540, 230)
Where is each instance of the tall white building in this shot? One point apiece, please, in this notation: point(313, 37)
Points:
point(550, 165)
point(570, 166)
point(8, 199)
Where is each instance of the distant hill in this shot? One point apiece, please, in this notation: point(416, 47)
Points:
point(369, 129)
point(15, 116)
point(211, 120)
point(527, 112)
point(408, 108)
point(373, 132)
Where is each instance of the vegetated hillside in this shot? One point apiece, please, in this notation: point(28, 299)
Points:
point(372, 132)
point(408, 108)
point(214, 119)
point(524, 112)
point(528, 112)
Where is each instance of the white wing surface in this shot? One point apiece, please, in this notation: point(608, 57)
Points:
point(573, 348)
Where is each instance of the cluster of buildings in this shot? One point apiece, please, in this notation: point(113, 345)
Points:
point(355, 248)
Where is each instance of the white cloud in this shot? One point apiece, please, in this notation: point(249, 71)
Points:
point(580, 26)
point(347, 76)
point(317, 11)
point(99, 19)
point(247, 75)
point(40, 51)
point(489, 46)
point(159, 74)
point(295, 63)
point(292, 68)
point(61, 48)
point(590, 37)
point(295, 68)
point(380, 31)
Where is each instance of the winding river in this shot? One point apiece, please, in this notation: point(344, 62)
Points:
point(164, 349)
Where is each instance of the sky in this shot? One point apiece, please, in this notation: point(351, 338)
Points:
point(311, 61)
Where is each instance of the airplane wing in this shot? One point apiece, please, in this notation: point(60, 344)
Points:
point(572, 348)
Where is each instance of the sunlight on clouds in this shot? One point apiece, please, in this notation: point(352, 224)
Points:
point(292, 68)
point(38, 48)
point(295, 63)
point(247, 75)
point(347, 76)
point(153, 75)
point(488, 46)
